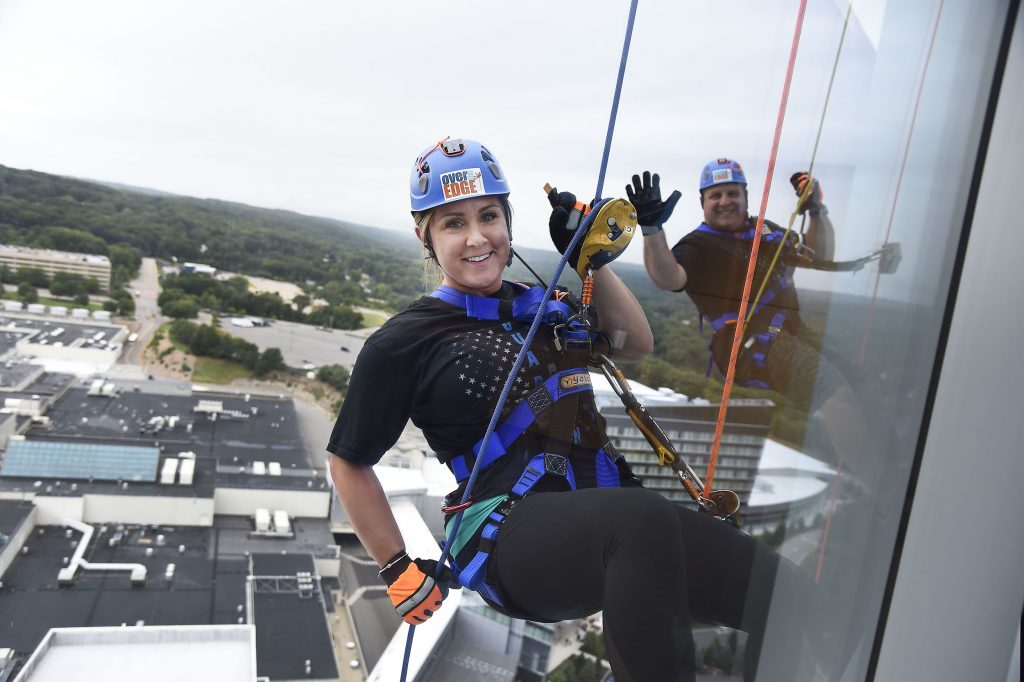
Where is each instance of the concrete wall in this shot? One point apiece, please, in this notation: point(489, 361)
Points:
point(6, 431)
point(180, 511)
point(245, 501)
point(53, 510)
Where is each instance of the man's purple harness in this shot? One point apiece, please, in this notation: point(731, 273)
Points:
point(539, 401)
point(762, 339)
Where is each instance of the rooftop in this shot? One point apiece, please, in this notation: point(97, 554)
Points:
point(61, 332)
point(12, 514)
point(208, 585)
point(221, 653)
point(293, 640)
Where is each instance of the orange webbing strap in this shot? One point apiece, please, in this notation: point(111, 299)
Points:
point(737, 338)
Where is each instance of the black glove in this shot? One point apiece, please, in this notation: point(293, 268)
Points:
point(651, 211)
point(414, 591)
point(889, 257)
point(566, 215)
point(813, 204)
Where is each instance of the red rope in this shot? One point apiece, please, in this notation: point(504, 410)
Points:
point(752, 263)
point(828, 521)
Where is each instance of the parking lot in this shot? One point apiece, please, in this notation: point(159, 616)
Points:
point(303, 344)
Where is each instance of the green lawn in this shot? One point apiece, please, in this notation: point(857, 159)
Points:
point(69, 304)
point(214, 371)
point(12, 296)
point(372, 320)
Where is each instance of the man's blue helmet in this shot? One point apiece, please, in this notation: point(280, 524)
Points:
point(720, 172)
point(454, 169)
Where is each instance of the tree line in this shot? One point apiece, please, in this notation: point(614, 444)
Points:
point(203, 340)
point(47, 211)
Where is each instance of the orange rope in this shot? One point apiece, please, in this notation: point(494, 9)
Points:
point(752, 264)
point(828, 521)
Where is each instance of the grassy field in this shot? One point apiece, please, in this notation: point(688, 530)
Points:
point(214, 371)
point(372, 320)
point(69, 304)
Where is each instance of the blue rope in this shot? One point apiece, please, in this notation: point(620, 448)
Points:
point(615, 102)
point(521, 356)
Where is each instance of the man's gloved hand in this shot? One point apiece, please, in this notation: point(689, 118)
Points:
point(651, 211)
point(412, 588)
point(813, 203)
point(889, 257)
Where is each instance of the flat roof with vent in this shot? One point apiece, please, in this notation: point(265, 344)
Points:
point(49, 459)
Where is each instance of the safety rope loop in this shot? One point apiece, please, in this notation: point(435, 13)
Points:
point(615, 103)
point(752, 263)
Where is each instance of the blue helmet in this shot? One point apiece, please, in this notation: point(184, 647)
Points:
point(454, 169)
point(721, 172)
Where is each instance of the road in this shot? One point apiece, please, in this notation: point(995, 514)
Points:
point(147, 312)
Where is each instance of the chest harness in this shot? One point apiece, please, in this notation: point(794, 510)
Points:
point(757, 345)
point(556, 397)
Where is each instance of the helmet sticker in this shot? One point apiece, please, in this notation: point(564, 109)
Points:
point(721, 175)
point(461, 184)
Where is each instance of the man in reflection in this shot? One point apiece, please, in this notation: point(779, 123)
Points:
point(710, 265)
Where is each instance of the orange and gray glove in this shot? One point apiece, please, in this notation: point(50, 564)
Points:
point(813, 203)
point(413, 589)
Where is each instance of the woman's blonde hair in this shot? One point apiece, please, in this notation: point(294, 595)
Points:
point(432, 274)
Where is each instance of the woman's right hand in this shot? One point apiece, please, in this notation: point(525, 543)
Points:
point(414, 591)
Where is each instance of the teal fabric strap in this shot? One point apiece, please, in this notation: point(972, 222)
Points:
point(472, 519)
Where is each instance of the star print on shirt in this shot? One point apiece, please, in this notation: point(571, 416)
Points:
point(484, 359)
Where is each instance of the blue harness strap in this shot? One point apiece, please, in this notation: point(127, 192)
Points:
point(522, 308)
point(473, 575)
point(565, 383)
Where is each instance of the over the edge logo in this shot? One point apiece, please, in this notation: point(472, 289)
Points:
point(463, 183)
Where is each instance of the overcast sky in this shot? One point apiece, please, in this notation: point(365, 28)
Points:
point(320, 107)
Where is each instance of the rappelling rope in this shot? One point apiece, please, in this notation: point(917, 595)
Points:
point(809, 187)
point(752, 263)
point(899, 179)
point(828, 98)
point(541, 309)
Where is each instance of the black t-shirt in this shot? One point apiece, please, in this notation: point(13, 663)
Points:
point(445, 371)
point(716, 267)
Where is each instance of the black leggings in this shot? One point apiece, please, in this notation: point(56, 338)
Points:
point(650, 565)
